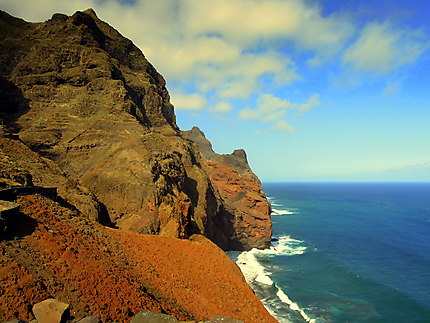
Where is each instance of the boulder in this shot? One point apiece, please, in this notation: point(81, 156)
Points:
point(89, 319)
point(151, 317)
point(51, 311)
point(223, 319)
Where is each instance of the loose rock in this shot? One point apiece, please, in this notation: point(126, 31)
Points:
point(51, 311)
point(151, 317)
point(223, 319)
point(90, 319)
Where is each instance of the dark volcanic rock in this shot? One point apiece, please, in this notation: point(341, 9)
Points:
point(85, 100)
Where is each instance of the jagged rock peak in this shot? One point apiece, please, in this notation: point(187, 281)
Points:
point(241, 154)
point(196, 130)
point(205, 146)
point(91, 12)
point(236, 160)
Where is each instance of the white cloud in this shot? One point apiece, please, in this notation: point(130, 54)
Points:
point(272, 103)
point(313, 102)
point(247, 21)
point(259, 133)
point(282, 125)
point(271, 108)
point(193, 101)
point(239, 78)
point(391, 88)
point(381, 48)
point(222, 107)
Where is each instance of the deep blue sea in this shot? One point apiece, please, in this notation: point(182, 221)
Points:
point(347, 252)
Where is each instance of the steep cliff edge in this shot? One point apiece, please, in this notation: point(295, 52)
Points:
point(87, 101)
point(241, 189)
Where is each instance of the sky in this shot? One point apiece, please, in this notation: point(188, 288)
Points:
point(322, 90)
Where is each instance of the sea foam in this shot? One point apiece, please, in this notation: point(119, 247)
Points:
point(257, 275)
point(283, 212)
point(276, 210)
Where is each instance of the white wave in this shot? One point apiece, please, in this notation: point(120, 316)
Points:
point(252, 269)
point(255, 272)
point(283, 212)
point(285, 246)
point(279, 209)
point(285, 299)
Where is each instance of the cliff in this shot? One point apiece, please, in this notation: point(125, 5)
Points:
point(90, 151)
point(241, 189)
point(97, 113)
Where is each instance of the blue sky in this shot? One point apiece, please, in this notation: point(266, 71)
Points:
point(313, 90)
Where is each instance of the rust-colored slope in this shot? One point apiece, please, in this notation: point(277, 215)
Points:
point(114, 274)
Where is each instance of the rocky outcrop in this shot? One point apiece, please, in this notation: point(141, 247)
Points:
point(95, 114)
point(236, 160)
point(241, 189)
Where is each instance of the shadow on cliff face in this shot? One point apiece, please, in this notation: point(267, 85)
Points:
point(17, 226)
point(104, 217)
point(12, 104)
point(190, 188)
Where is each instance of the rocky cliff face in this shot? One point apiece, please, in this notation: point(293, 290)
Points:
point(91, 109)
point(241, 189)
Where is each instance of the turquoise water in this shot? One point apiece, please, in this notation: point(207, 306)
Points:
point(347, 252)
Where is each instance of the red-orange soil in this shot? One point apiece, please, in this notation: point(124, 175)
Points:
point(114, 274)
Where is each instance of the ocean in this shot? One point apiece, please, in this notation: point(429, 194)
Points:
point(346, 252)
